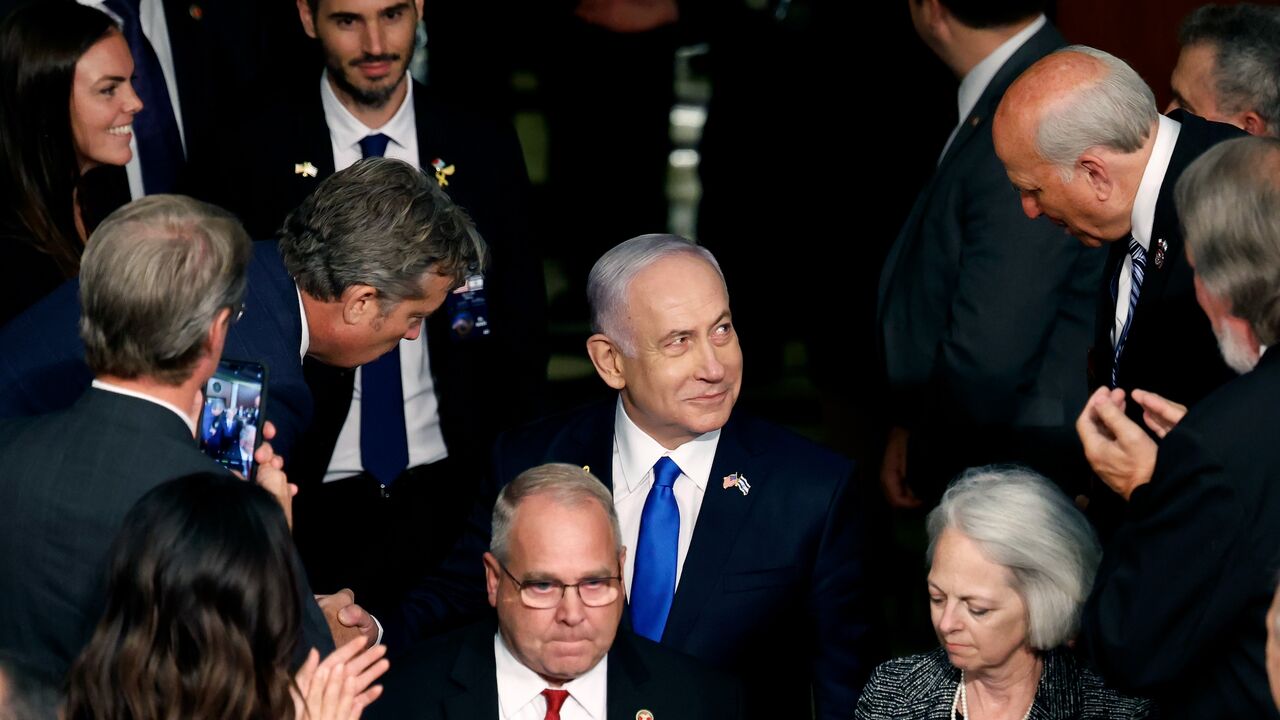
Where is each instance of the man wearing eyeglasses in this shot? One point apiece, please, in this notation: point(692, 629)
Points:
point(554, 574)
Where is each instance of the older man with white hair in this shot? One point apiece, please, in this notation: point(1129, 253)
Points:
point(1178, 605)
point(1083, 142)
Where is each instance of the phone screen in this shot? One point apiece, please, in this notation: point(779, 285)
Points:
point(230, 421)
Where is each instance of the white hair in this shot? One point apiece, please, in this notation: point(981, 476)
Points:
point(1021, 521)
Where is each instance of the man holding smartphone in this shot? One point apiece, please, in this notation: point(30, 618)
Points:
point(160, 283)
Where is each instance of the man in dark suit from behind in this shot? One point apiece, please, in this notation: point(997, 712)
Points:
point(1177, 609)
point(411, 467)
point(161, 282)
point(748, 543)
point(985, 316)
point(554, 574)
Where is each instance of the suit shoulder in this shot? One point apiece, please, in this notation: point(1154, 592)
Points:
point(904, 681)
point(801, 452)
point(675, 678)
point(537, 437)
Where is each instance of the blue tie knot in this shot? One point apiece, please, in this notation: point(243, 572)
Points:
point(665, 472)
point(374, 145)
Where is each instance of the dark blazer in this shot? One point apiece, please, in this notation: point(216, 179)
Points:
point(490, 183)
point(69, 479)
point(985, 316)
point(1171, 349)
point(773, 586)
point(42, 367)
point(1178, 606)
point(454, 677)
point(922, 687)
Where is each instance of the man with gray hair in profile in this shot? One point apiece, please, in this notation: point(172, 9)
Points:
point(1082, 141)
point(1229, 67)
point(1177, 608)
point(161, 282)
point(747, 540)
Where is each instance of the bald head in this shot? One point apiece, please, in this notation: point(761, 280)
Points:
point(1074, 133)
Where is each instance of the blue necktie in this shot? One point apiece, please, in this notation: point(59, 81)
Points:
point(653, 584)
point(384, 447)
point(1139, 269)
point(155, 127)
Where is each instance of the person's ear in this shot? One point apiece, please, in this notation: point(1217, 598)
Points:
point(608, 360)
point(359, 304)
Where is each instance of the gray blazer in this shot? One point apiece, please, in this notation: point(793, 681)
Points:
point(922, 687)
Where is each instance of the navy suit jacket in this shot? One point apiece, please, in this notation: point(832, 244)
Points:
point(489, 182)
point(42, 367)
point(773, 587)
point(69, 479)
point(454, 677)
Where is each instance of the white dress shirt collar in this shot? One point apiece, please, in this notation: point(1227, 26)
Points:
point(186, 419)
point(518, 686)
point(1144, 203)
point(346, 131)
point(306, 331)
point(638, 452)
point(976, 80)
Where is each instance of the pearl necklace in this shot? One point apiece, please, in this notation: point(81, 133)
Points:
point(961, 702)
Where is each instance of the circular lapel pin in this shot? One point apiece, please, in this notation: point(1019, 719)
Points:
point(644, 715)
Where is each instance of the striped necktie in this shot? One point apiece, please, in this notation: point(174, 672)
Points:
point(1139, 269)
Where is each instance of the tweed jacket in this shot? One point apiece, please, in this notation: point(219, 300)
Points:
point(922, 687)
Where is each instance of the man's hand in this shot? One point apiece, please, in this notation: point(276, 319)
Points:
point(893, 472)
point(346, 619)
point(271, 474)
point(1120, 452)
point(1159, 413)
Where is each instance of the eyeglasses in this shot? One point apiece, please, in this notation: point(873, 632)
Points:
point(547, 594)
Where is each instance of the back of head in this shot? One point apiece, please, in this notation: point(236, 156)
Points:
point(1229, 203)
point(611, 277)
point(1024, 522)
point(202, 609)
point(1245, 40)
point(40, 44)
point(382, 223)
point(1100, 102)
point(155, 275)
point(983, 14)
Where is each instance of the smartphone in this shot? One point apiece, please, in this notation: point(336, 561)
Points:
point(231, 419)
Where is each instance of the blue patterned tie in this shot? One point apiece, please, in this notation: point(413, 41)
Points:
point(1139, 269)
point(155, 127)
point(653, 584)
point(384, 447)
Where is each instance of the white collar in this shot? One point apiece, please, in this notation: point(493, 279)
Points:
point(1144, 203)
point(306, 331)
point(518, 685)
point(347, 131)
point(186, 419)
point(976, 80)
point(637, 453)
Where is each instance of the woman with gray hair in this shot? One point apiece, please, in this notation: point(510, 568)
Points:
point(1011, 561)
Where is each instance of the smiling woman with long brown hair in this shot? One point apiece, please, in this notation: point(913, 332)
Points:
point(66, 107)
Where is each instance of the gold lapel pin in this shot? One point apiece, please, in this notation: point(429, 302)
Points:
point(305, 169)
point(443, 171)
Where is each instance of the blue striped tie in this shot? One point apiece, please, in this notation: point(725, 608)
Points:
point(653, 584)
point(1139, 269)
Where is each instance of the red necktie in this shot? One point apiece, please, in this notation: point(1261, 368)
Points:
point(555, 700)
